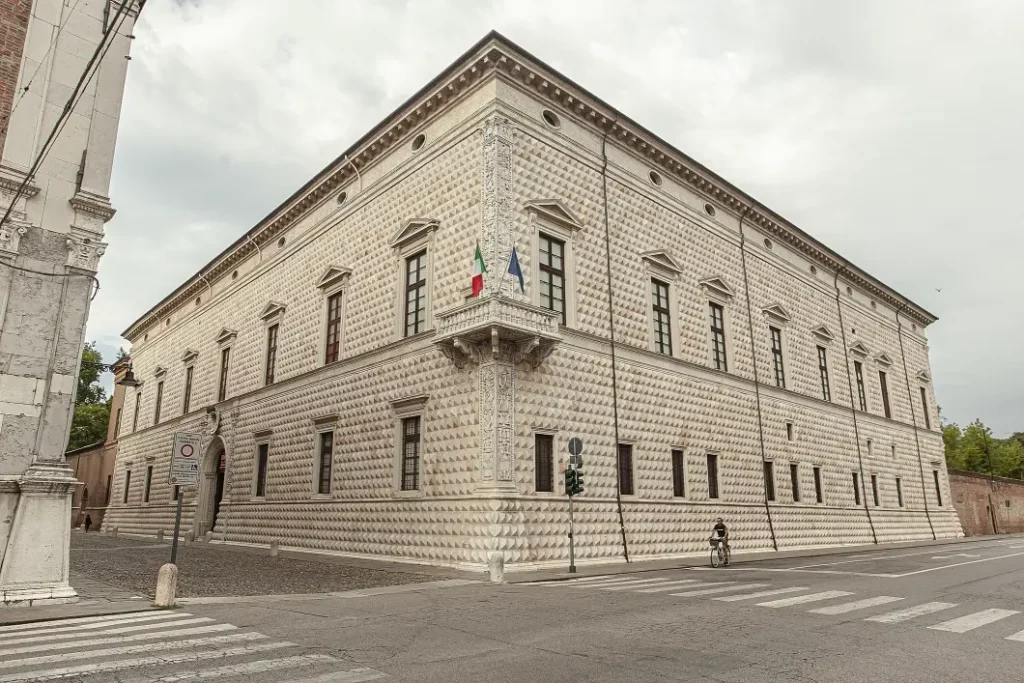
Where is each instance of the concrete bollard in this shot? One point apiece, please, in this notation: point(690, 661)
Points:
point(274, 549)
point(209, 536)
point(113, 532)
point(496, 567)
point(160, 536)
point(166, 586)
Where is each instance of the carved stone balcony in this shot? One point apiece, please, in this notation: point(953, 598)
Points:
point(499, 326)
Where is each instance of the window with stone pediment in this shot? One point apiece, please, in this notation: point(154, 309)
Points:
point(663, 271)
point(414, 247)
point(718, 298)
point(333, 285)
point(552, 266)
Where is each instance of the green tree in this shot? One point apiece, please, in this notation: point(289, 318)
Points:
point(92, 408)
point(952, 437)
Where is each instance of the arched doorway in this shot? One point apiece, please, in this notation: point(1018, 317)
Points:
point(211, 487)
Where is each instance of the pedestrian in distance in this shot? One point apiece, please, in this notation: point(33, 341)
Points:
point(88, 523)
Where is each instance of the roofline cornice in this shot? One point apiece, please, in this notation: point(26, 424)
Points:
point(494, 53)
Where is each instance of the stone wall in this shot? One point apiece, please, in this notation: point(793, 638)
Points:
point(14, 16)
point(987, 505)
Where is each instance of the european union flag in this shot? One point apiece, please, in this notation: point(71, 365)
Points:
point(514, 269)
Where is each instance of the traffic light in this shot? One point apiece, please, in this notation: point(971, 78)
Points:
point(570, 481)
point(578, 489)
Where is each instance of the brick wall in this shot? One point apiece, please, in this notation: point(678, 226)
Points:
point(14, 16)
point(976, 496)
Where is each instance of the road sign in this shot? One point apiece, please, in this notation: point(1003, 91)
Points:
point(575, 445)
point(185, 459)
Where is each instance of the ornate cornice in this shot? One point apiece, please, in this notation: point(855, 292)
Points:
point(506, 60)
point(98, 207)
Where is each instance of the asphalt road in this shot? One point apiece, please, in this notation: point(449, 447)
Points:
point(944, 613)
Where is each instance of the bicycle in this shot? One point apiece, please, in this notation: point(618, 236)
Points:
point(718, 553)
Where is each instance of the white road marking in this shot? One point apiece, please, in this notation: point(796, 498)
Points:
point(973, 621)
point(108, 632)
point(173, 658)
point(723, 589)
point(856, 605)
point(876, 558)
point(801, 599)
point(567, 582)
point(235, 669)
point(797, 569)
point(948, 557)
point(45, 647)
point(128, 619)
point(31, 626)
point(761, 594)
point(958, 564)
point(630, 582)
point(350, 676)
point(1019, 636)
point(632, 585)
point(911, 612)
point(669, 586)
point(604, 582)
point(131, 649)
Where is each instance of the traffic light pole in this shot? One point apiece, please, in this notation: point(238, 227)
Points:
point(572, 551)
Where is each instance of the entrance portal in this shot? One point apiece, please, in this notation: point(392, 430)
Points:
point(211, 487)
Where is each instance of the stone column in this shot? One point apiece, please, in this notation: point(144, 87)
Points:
point(497, 422)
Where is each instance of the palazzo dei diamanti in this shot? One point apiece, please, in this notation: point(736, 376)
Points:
point(355, 398)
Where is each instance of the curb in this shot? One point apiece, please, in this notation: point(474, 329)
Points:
point(10, 616)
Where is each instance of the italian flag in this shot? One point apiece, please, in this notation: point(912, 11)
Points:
point(478, 271)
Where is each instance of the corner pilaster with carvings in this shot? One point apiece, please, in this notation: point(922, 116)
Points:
point(17, 224)
point(498, 201)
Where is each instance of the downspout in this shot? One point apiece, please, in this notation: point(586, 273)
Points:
point(356, 169)
point(611, 330)
point(209, 287)
point(913, 421)
point(853, 405)
point(757, 383)
point(258, 250)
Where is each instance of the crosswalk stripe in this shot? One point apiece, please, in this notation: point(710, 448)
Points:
point(131, 649)
point(630, 586)
point(350, 676)
point(133, 619)
point(801, 599)
point(722, 589)
point(173, 658)
point(235, 669)
point(34, 625)
point(1019, 636)
point(760, 594)
point(602, 582)
point(108, 632)
point(911, 612)
point(619, 582)
point(973, 621)
point(212, 628)
point(669, 586)
point(855, 605)
point(603, 577)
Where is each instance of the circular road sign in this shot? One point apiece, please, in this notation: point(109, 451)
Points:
point(575, 445)
point(187, 450)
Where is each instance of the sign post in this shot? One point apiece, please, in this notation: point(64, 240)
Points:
point(573, 471)
point(184, 472)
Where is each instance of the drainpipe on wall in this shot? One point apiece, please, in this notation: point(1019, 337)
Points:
point(356, 169)
point(853, 409)
point(913, 421)
point(611, 330)
point(757, 383)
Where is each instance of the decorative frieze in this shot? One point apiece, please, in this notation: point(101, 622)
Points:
point(498, 202)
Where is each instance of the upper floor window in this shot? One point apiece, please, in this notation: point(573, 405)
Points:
point(552, 275)
point(826, 391)
point(662, 317)
point(777, 362)
point(271, 359)
point(159, 402)
point(883, 384)
point(117, 424)
point(416, 293)
point(924, 408)
point(333, 344)
point(718, 336)
point(187, 403)
point(225, 362)
point(135, 414)
point(858, 370)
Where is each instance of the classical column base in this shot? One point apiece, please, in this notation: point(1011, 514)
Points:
point(35, 536)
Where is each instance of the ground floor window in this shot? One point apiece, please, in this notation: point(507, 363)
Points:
point(127, 485)
point(678, 474)
point(325, 462)
point(818, 496)
point(544, 463)
point(625, 469)
point(712, 475)
point(411, 453)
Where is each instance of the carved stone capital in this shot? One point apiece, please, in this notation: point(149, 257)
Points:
point(10, 237)
point(84, 251)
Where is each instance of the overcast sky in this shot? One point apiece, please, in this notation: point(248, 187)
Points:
point(890, 130)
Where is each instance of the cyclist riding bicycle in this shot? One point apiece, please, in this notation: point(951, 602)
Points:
point(721, 533)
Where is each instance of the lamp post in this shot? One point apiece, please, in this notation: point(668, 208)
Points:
point(129, 376)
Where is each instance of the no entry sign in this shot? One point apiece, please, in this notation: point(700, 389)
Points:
point(185, 459)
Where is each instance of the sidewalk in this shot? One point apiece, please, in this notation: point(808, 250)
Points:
point(702, 560)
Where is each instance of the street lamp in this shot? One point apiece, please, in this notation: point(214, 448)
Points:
point(129, 377)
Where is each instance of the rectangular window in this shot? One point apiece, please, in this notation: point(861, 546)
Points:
point(662, 318)
point(159, 402)
point(225, 363)
point(818, 496)
point(794, 478)
point(826, 391)
point(769, 480)
point(416, 293)
point(106, 494)
point(175, 493)
point(325, 463)
point(862, 399)
point(712, 475)
point(268, 376)
point(678, 474)
point(893, 447)
point(187, 403)
point(789, 431)
point(135, 416)
point(411, 453)
point(552, 275)
point(884, 386)
point(938, 487)
point(856, 488)
point(899, 491)
point(718, 337)
point(870, 445)
point(333, 349)
point(874, 489)
point(924, 409)
point(149, 481)
point(127, 485)
point(780, 371)
point(262, 455)
point(625, 469)
point(117, 424)
point(544, 465)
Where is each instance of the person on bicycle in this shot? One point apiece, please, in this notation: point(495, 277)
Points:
point(721, 533)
